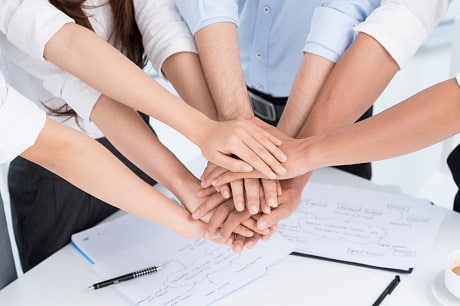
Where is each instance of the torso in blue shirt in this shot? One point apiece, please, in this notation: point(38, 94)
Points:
point(272, 35)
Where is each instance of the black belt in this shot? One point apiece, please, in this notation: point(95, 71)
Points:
point(266, 107)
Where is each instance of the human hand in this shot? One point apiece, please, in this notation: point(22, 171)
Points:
point(192, 201)
point(239, 242)
point(260, 195)
point(288, 202)
point(253, 147)
point(301, 160)
point(226, 219)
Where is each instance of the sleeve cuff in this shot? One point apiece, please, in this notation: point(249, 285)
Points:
point(326, 40)
point(76, 93)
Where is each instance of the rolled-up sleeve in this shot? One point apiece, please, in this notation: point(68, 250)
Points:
point(332, 26)
point(29, 24)
point(77, 94)
point(60, 83)
point(21, 121)
point(200, 13)
point(164, 33)
point(401, 27)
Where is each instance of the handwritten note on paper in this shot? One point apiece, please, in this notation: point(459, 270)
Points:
point(363, 226)
point(196, 272)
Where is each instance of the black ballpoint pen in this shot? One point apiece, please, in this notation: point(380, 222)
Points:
point(126, 277)
point(388, 290)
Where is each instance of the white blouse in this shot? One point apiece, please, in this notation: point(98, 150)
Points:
point(402, 26)
point(163, 32)
point(21, 121)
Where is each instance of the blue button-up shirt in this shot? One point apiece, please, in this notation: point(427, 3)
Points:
point(273, 33)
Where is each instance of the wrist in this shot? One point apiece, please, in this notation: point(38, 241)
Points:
point(232, 114)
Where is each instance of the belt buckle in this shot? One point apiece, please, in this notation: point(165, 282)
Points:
point(262, 108)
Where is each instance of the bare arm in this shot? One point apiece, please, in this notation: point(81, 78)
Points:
point(307, 85)
point(419, 121)
point(218, 49)
point(184, 72)
point(422, 120)
point(73, 155)
point(107, 70)
point(354, 84)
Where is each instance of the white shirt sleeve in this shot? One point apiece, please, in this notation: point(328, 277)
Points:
point(21, 121)
point(29, 24)
point(58, 82)
point(164, 33)
point(402, 26)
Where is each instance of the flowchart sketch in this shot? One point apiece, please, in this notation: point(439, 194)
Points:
point(362, 226)
point(195, 272)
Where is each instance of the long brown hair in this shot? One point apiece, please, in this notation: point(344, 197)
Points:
point(126, 35)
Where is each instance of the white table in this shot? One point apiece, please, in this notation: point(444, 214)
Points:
point(64, 277)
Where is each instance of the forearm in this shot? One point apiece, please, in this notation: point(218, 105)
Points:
point(307, 85)
point(134, 139)
point(218, 50)
point(78, 158)
point(100, 66)
point(191, 86)
point(422, 120)
point(131, 136)
point(354, 84)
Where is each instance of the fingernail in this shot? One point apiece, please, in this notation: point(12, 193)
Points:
point(262, 224)
point(253, 210)
point(239, 206)
point(247, 168)
point(196, 214)
point(206, 235)
point(272, 202)
point(226, 194)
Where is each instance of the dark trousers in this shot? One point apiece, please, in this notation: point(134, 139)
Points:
point(453, 161)
point(7, 267)
point(363, 170)
point(47, 210)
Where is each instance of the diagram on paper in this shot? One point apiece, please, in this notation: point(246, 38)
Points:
point(195, 272)
point(202, 267)
point(361, 226)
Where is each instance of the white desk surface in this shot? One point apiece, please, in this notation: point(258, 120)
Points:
point(64, 277)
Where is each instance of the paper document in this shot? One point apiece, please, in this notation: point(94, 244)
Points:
point(362, 226)
point(333, 285)
point(196, 272)
point(104, 239)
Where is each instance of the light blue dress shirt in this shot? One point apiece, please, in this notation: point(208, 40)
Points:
point(273, 33)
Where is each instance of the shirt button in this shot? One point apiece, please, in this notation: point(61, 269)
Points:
point(267, 9)
point(259, 54)
point(259, 87)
